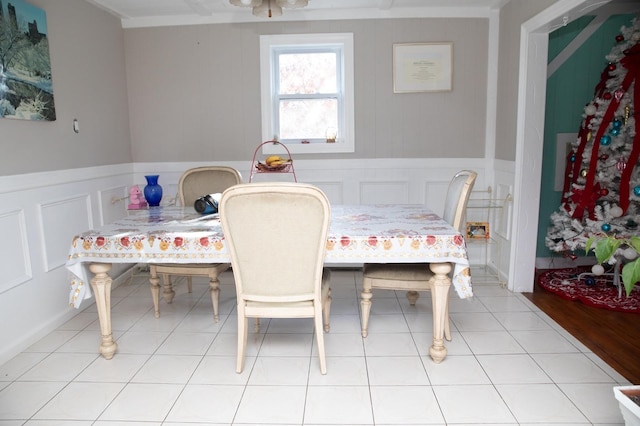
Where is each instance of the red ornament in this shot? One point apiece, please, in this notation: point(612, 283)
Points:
point(619, 38)
point(607, 96)
point(604, 157)
point(604, 192)
point(611, 67)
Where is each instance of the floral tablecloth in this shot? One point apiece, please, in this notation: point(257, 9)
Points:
point(358, 234)
point(397, 233)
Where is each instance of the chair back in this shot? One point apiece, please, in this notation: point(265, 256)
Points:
point(458, 194)
point(199, 181)
point(276, 234)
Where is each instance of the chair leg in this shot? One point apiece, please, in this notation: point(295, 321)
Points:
point(326, 311)
point(320, 341)
point(214, 290)
point(412, 296)
point(189, 284)
point(243, 324)
point(155, 290)
point(256, 325)
point(365, 305)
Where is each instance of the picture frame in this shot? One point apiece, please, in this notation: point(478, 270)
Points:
point(26, 86)
point(478, 230)
point(422, 67)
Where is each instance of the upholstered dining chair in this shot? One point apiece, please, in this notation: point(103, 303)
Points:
point(193, 184)
point(415, 277)
point(276, 233)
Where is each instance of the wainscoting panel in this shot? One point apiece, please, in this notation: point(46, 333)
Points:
point(113, 203)
point(504, 178)
point(14, 254)
point(384, 192)
point(333, 190)
point(503, 228)
point(436, 192)
point(61, 220)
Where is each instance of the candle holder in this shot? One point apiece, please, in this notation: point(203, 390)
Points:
point(331, 135)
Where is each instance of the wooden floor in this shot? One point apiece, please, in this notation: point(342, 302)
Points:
point(613, 336)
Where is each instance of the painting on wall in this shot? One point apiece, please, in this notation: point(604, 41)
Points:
point(26, 91)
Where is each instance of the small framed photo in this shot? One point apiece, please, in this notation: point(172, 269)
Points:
point(422, 67)
point(477, 230)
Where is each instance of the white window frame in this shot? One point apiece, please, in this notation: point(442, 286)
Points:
point(346, 132)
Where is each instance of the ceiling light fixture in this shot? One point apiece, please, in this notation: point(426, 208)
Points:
point(292, 4)
point(269, 8)
point(245, 3)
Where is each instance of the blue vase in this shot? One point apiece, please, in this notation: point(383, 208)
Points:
point(152, 191)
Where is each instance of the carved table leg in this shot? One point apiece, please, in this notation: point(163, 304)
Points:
point(101, 285)
point(440, 295)
point(214, 289)
point(155, 289)
point(365, 306)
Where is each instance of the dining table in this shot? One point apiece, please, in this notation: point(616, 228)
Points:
point(358, 234)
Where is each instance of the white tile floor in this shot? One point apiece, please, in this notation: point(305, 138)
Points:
point(508, 364)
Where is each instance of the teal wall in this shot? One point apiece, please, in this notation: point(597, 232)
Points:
point(569, 90)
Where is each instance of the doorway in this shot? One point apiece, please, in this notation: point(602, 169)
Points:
point(530, 131)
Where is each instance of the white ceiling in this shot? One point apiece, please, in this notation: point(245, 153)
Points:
point(145, 13)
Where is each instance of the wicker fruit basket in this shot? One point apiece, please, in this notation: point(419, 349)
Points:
point(278, 168)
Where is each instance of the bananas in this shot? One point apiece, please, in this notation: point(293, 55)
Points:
point(276, 160)
point(272, 159)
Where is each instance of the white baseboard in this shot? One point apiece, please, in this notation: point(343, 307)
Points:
point(563, 262)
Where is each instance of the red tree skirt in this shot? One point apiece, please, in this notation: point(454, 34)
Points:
point(567, 284)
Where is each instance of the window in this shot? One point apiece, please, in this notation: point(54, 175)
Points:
point(307, 92)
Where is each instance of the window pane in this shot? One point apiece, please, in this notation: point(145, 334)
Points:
point(307, 118)
point(307, 73)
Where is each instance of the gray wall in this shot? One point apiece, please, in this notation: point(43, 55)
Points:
point(88, 73)
point(191, 93)
point(512, 16)
point(194, 91)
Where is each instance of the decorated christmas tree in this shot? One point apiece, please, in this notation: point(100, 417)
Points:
point(601, 194)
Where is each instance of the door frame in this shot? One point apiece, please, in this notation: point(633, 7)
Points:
point(534, 43)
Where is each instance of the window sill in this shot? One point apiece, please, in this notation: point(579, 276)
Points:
point(309, 148)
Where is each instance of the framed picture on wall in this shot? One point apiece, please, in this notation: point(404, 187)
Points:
point(26, 91)
point(422, 67)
